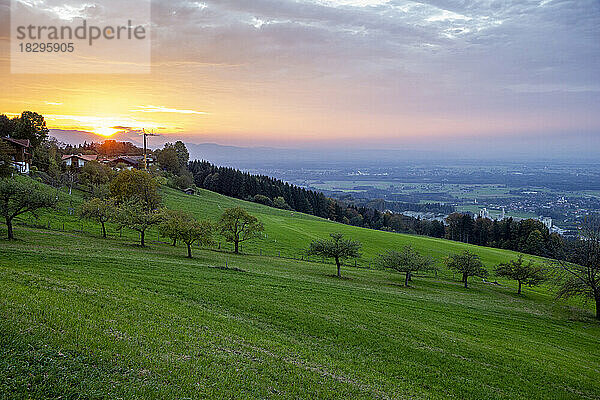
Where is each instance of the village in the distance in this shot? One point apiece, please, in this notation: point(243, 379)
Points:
point(560, 196)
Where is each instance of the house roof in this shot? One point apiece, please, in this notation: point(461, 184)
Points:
point(19, 142)
point(85, 157)
point(133, 160)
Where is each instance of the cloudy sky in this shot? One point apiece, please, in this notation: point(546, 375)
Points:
point(366, 73)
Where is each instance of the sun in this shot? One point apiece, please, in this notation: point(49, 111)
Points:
point(105, 131)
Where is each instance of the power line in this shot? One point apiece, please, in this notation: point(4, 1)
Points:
point(146, 134)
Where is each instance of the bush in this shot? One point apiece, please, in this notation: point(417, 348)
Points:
point(260, 199)
point(279, 202)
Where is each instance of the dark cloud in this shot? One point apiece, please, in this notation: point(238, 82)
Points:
point(512, 41)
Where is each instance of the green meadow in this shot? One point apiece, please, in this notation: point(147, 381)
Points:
point(83, 317)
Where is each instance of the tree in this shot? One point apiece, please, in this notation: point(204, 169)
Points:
point(69, 178)
point(184, 180)
point(534, 244)
point(94, 174)
point(260, 199)
point(47, 156)
point(179, 225)
point(525, 273)
point(192, 231)
point(173, 158)
point(5, 160)
point(136, 186)
point(237, 226)
point(337, 248)
point(20, 195)
point(168, 160)
point(468, 264)
point(30, 126)
point(183, 154)
point(135, 215)
point(7, 125)
point(98, 210)
point(579, 271)
point(407, 261)
point(169, 226)
point(279, 202)
point(454, 221)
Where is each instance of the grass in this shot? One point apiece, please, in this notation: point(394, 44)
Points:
point(287, 233)
point(82, 317)
point(290, 232)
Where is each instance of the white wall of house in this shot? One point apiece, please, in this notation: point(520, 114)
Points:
point(76, 162)
point(21, 166)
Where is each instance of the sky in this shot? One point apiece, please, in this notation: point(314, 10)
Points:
point(476, 76)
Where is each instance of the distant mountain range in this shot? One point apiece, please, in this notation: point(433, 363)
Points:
point(260, 157)
point(271, 158)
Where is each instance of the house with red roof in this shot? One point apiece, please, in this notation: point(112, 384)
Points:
point(78, 160)
point(19, 151)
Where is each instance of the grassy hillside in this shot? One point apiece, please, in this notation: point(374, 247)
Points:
point(287, 233)
point(290, 232)
point(82, 317)
point(91, 318)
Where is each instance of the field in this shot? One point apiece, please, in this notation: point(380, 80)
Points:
point(287, 233)
point(460, 191)
point(83, 317)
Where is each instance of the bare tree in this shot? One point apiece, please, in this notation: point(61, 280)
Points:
point(580, 267)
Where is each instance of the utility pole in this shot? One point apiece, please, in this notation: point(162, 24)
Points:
point(146, 134)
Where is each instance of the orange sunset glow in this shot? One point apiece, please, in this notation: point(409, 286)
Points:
point(239, 74)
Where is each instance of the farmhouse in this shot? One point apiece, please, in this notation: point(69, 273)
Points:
point(20, 153)
point(78, 160)
point(130, 162)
